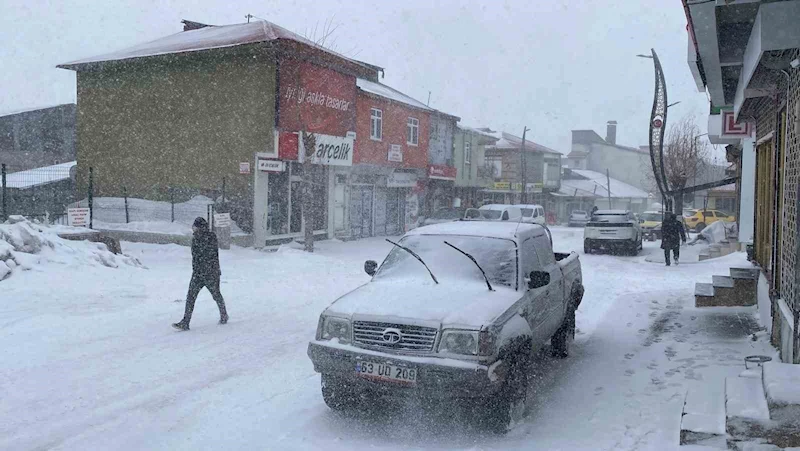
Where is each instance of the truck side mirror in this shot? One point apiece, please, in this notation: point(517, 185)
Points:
point(539, 279)
point(371, 267)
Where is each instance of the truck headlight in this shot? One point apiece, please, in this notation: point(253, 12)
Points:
point(464, 342)
point(331, 327)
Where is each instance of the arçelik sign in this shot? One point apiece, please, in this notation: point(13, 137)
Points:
point(330, 150)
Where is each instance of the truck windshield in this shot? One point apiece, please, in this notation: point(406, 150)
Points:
point(498, 257)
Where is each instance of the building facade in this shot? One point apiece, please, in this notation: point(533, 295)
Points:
point(472, 174)
point(442, 173)
point(506, 159)
point(37, 138)
point(217, 105)
point(747, 57)
point(390, 161)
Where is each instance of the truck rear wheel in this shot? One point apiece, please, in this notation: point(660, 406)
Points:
point(561, 339)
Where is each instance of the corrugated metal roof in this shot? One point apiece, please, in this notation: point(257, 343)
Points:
point(389, 93)
point(210, 37)
point(507, 141)
point(39, 176)
point(595, 184)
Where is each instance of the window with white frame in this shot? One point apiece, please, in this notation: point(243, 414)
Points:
point(467, 152)
point(376, 124)
point(413, 131)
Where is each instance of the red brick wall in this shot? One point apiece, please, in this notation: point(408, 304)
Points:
point(395, 119)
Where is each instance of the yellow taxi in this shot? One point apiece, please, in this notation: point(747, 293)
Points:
point(649, 220)
point(698, 220)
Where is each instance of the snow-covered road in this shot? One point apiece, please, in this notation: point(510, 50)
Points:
point(89, 360)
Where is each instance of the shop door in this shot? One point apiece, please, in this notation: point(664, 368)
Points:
point(380, 210)
point(361, 211)
point(395, 211)
point(339, 202)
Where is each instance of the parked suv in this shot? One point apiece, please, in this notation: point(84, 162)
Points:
point(455, 311)
point(612, 230)
point(578, 218)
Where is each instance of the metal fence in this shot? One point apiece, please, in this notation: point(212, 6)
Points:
point(41, 193)
point(46, 194)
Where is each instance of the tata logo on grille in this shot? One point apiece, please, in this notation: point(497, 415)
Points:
point(392, 336)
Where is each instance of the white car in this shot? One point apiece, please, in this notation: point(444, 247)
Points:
point(501, 212)
point(612, 230)
point(532, 213)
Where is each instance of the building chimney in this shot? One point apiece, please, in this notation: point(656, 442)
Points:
point(611, 132)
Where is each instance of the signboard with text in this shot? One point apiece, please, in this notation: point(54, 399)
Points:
point(244, 167)
point(318, 99)
point(78, 217)
point(222, 220)
point(331, 150)
point(441, 172)
point(396, 153)
point(271, 165)
point(401, 180)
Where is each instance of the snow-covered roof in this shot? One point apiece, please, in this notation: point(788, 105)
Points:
point(499, 207)
point(206, 38)
point(491, 229)
point(389, 93)
point(595, 184)
point(39, 176)
point(509, 141)
point(478, 132)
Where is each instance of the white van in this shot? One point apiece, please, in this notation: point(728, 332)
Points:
point(532, 213)
point(501, 212)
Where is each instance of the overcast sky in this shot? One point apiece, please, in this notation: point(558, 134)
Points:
point(553, 66)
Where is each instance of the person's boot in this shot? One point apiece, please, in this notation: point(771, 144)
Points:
point(223, 318)
point(181, 325)
point(677, 262)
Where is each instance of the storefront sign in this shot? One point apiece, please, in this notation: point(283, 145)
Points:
point(318, 99)
point(401, 180)
point(502, 185)
point(222, 220)
point(396, 153)
point(508, 186)
point(441, 172)
point(244, 167)
point(731, 129)
point(330, 150)
point(78, 217)
point(271, 165)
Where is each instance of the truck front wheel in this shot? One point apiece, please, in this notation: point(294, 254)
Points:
point(337, 394)
point(507, 408)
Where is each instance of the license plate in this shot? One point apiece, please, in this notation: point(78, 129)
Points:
point(384, 372)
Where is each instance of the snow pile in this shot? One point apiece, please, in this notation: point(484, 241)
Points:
point(163, 227)
point(718, 231)
point(782, 386)
point(25, 244)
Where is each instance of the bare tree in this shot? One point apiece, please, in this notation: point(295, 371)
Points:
point(685, 159)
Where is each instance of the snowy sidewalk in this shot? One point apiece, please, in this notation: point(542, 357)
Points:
point(90, 361)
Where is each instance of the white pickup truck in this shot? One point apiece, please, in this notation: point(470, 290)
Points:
point(612, 230)
point(455, 311)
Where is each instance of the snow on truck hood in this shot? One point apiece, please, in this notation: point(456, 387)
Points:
point(467, 304)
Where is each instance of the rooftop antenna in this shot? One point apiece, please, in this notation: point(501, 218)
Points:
point(518, 223)
point(429, 99)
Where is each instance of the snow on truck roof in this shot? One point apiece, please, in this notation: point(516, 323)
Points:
point(611, 212)
point(490, 229)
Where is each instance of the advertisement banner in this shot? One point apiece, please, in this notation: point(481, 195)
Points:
point(441, 172)
point(401, 180)
point(319, 99)
point(331, 150)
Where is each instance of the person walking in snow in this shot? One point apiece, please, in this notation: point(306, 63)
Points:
point(672, 234)
point(205, 272)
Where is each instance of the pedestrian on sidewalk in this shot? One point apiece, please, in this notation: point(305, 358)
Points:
point(205, 272)
point(672, 234)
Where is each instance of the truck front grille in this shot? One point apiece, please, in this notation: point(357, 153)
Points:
point(413, 338)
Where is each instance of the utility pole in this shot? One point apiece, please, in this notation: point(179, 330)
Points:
point(608, 188)
point(523, 196)
point(248, 17)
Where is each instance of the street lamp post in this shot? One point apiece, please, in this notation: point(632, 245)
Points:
point(658, 122)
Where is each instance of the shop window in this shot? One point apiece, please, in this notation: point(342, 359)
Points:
point(413, 131)
point(376, 124)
